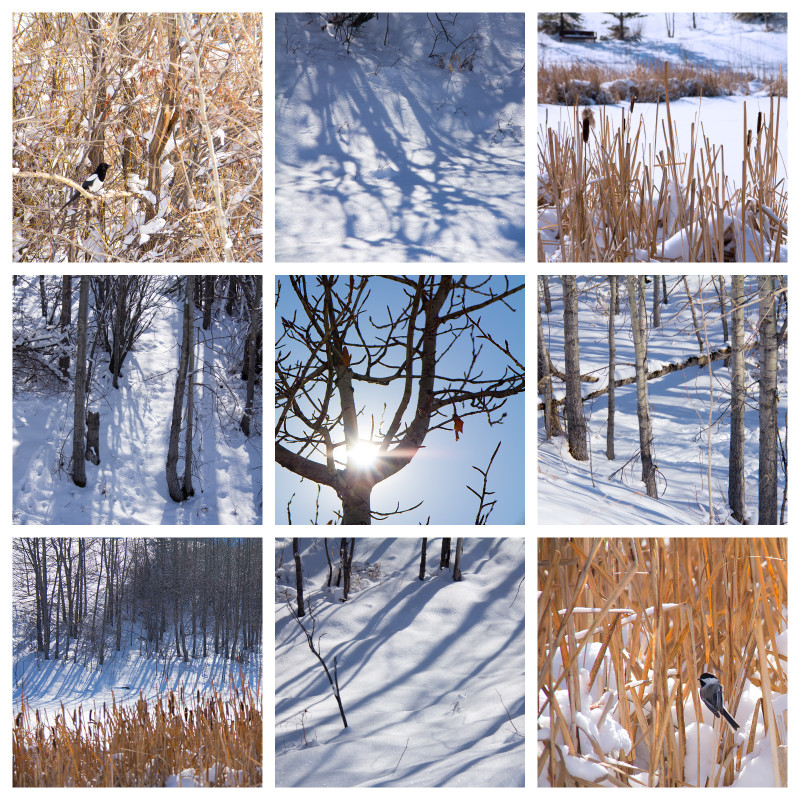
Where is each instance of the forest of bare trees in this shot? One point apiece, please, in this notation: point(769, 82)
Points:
point(706, 319)
point(82, 599)
point(58, 355)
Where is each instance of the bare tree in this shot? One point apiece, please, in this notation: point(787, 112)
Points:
point(768, 405)
point(422, 558)
point(444, 559)
point(457, 562)
point(736, 481)
point(253, 294)
point(552, 425)
point(176, 488)
point(64, 322)
point(642, 401)
point(612, 364)
point(298, 571)
point(333, 344)
point(576, 423)
point(79, 412)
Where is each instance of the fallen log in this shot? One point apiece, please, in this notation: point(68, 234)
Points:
point(692, 361)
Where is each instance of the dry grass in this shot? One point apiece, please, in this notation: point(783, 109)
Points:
point(620, 193)
point(143, 744)
point(567, 84)
point(661, 612)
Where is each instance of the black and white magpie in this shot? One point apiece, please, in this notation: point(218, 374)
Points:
point(94, 183)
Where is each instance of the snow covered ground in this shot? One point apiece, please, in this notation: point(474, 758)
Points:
point(718, 42)
point(46, 685)
point(431, 672)
point(606, 492)
point(129, 485)
point(387, 154)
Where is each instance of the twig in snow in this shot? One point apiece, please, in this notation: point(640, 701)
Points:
point(401, 757)
point(515, 596)
point(509, 715)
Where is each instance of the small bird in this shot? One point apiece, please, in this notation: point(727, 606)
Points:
point(711, 695)
point(94, 183)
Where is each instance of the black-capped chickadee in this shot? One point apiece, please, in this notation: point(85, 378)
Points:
point(711, 695)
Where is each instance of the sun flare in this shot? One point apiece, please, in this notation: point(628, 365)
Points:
point(364, 454)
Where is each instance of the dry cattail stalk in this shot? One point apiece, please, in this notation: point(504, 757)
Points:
point(128, 748)
point(620, 577)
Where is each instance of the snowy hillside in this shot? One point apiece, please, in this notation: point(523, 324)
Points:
point(137, 661)
point(690, 413)
point(431, 673)
point(718, 41)
point(129, 484)
point(409, 148)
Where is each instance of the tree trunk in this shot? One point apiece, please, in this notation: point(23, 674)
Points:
point(117, 352)
point(736, 480)
point(173, 483)
point(64, 321)
point(229, 303)
point(548, 305)
point(457, 562)
point(78, 420)
point(552, 425)
point(348, 564)
point(768, 405)
point(422, 558)
point(252, 352)
point(298, 571)
point(208, 300)
point(43, 296)
point(576, 424)
point(612, 363)
point(355, 497)
point(720, 287)
point(188, 489)
point(656, 302)
point(698, 331)
point(444, 560)
point(642, 402)
point(93, 437)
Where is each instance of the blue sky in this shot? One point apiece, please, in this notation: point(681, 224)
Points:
point(441, 471)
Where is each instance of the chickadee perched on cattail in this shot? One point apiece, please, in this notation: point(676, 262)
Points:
point(711, 695)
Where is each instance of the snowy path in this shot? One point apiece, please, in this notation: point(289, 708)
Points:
point(129, 484)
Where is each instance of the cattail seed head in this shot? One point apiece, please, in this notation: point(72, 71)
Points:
point(749, 138)
point(758, 124)
point(588, 121)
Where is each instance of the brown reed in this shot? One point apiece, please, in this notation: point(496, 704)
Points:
point(661, 612)
point(616, 195)
point(143, 744)
point(568, 83)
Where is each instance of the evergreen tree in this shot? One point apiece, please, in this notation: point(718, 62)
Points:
point(557, 23)
point(619, 29)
